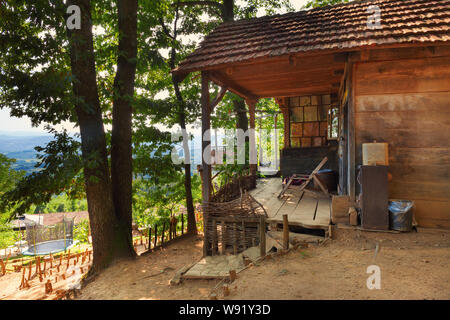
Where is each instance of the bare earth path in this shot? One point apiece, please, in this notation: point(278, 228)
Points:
point(413, 266)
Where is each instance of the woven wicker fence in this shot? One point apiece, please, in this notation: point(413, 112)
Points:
point(233, 226)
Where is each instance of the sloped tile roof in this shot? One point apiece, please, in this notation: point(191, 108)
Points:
point(329, 28)
point(48, 219)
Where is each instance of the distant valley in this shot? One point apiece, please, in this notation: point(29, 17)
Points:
point(21, 148)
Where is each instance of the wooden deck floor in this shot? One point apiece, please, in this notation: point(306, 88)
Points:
point(304, 208)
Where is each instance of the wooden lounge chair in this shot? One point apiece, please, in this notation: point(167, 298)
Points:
point(308, 178)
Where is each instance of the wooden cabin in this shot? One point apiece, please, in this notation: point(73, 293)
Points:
point(341, 82)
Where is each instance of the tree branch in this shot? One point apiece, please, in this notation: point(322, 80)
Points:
point(200, 3)
point(166, 31)
point(219, 97)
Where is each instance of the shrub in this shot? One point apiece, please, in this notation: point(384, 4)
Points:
point(81, 231)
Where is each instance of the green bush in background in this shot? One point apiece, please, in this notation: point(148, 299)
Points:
point(7, 235)
point(81, 231)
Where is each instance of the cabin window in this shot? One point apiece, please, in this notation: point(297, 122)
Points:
point(311, 122)
point(333, 123)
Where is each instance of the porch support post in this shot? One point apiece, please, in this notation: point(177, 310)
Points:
point(275, 120)
point(351, 133)
point(253, 155)
point(282, 102)
point(206, 152)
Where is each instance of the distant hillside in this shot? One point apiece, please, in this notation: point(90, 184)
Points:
point(21, 148)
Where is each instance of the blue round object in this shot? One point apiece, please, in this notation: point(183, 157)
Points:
point(45, 248)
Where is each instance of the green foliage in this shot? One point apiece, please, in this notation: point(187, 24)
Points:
point(8, 176)
point(60, 203)
point(323, 3)
point(155, 203)
point(81, 231)
point(7, 235)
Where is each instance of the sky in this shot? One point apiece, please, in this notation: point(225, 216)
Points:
point(14, 125)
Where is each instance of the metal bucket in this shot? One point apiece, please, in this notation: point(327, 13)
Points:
point(401, 215)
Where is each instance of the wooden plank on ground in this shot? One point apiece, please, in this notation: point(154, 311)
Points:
point(266, 191)
point(288, 207)
point(323, 211)
point(305, 209)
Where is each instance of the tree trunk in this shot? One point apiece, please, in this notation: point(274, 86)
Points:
point(227, 12)
point(121, 147)
point(102, 219)
point(239, 103)
point(241, 113)
point(191, 223)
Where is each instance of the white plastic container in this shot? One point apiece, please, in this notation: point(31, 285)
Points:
point(375, 154)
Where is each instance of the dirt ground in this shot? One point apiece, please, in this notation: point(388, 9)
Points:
point(413, 266)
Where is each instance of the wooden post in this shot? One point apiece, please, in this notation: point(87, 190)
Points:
point(234, 238)
point(285, 232)
point(286, 121)
point(206, 146)
point(149, 237)
point(182, 223)
point(244, 243)
point(3, 267)
point(351, 132)
point(175, 224)
point(214, 237)
point(252, 152)
point(163, 231)
point(156, 235)
point(262, 235)
point(38, 265)
point(223, 235)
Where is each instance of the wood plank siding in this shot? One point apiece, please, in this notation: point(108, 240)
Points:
point(406, 103)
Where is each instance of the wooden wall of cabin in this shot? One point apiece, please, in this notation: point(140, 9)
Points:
point(406, 103)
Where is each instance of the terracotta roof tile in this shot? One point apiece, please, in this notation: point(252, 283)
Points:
point(332, 27)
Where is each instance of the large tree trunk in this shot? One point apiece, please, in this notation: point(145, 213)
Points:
point(121, 148)
point(102, 219)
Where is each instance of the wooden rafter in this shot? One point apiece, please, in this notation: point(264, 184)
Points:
point(223, 81)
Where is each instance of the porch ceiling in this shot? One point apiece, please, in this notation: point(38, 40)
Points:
point(282, 77)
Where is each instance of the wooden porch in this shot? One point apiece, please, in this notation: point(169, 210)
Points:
point(305, 209)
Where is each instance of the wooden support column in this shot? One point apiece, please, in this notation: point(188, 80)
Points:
point(206, 150)
point(262, 236)
point(351, 173)
point(285, 232)
point(282, 102)
point(253, 155)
